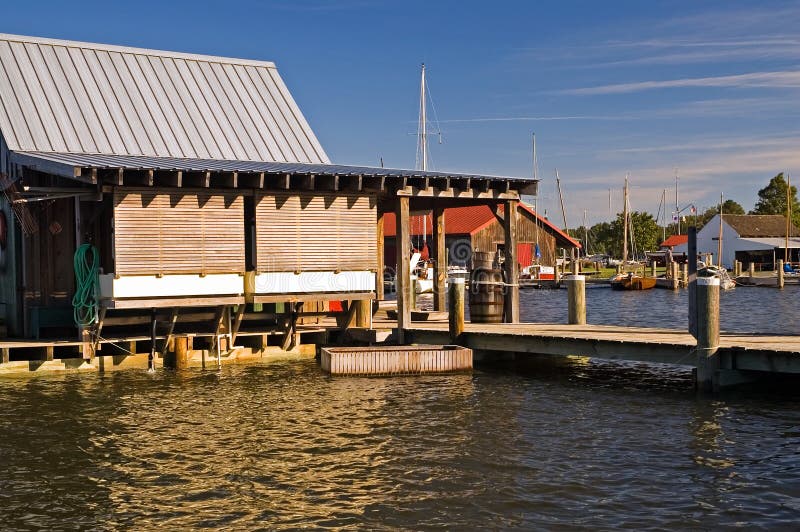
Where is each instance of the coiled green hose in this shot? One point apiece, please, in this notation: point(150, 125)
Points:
point(84, 303)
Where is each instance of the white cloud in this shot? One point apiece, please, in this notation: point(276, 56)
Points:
point(779, 79)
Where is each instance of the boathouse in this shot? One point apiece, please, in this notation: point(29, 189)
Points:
point(195, 193)
point(748, 238)
point(479, 228)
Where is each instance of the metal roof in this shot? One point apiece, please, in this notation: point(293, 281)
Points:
point(64, 164)
point(83, 98)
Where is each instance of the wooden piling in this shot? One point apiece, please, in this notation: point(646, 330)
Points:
point(379, 236)
point(576, 299)
point(781, 274)
point(403, 251)
point(440, 260)
point(178, 356)
point(511, 263)
point(751, 270)
point(685, 274)
point(691, 278)
point(675, 273)
point(707, 331)
point(456, 308)
point(363, 311)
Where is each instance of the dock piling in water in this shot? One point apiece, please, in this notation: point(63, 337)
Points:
point(707, 331)
point(576, 298)
point(456, 308)
point(781, 275)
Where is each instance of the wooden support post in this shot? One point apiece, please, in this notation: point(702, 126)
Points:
point(237, 322)
point(575, 263)
point(440, 260)
point(653, 269)
point(151, 358)
point(379, 235)
point(347, 319)
point(363, 312)
point(290, 340)
point(751, 270)
point(780, 273)
point(691, 278)
point(48, 353)
point(5, 355)
point(557, 274)
point(511, 269)
point(403, 283)
point(685, 273)
point(172, 320)
point(676, 280)
point(181, 352)
point(619, 268)
point(456, 308)
point(576, 299)
point(707, 331)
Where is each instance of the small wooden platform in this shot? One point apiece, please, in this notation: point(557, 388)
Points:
point(396, 360)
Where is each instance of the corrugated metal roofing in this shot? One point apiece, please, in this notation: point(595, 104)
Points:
point(63, 164)
point(74, 97)
point(466, 221)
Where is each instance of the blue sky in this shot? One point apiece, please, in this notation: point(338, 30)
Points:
point(707, 88)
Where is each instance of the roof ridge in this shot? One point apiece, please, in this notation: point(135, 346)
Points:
point(134, 50)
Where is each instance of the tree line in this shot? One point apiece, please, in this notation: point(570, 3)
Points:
point(646, 234)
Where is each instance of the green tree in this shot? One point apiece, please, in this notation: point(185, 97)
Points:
point(728, 207)
point(772, 199)
point(606, 237)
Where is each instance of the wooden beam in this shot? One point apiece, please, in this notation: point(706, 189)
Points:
point(169, 178)
point(510, 265)
point(327, 182)
point(379, 235)
point(139, 177)
point(375, 182)
point(473, 193)
point(440, 260)
point(225, 179)
point(251, 180)
point(197, 179)
point(112, 176)
point(352, 183)
point(403, 282)
point(170, 329)
point(305, 182)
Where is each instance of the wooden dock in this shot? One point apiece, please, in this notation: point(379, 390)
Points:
point(774, 354)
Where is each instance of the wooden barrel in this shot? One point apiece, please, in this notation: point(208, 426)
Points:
point(486, 296)
point(482, 260)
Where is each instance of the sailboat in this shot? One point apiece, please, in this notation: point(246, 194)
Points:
point(630, 280)
point(422, 270)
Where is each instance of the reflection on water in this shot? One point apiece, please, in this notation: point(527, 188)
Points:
point(281, 445)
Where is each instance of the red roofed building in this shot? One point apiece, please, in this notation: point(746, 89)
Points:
point(476, 228)
point(674, 240)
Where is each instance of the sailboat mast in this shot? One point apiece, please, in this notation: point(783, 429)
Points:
point(625, 222)
point(561, 199)
point(664, 215)
point(423, 121)
point(536, 197)
point(719, 240)
point(788, 217)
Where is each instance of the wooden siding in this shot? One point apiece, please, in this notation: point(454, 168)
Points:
point(171, 232)
point(315, 232)
point(489, 237)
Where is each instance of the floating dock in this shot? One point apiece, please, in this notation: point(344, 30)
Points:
point(396, 360)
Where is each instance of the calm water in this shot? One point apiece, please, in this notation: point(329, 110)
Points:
point(280, 445)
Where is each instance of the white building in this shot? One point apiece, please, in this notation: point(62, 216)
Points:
point(759, 238)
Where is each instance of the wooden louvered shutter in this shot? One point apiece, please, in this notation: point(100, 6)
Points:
point(159, 232)
point(320, 232)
